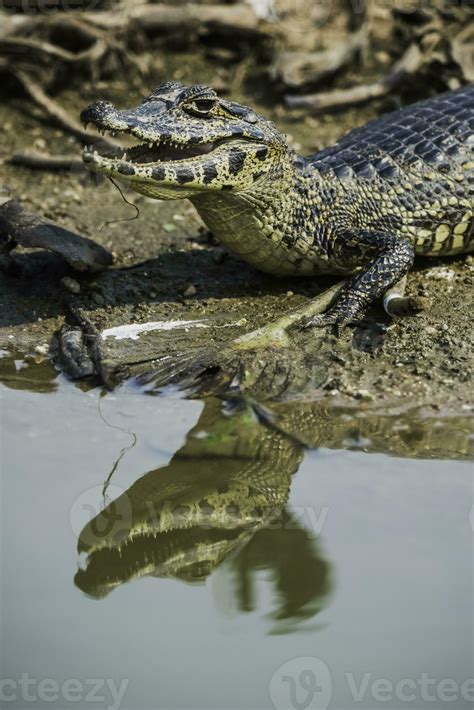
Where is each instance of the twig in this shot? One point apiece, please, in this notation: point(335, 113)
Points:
point(45, 161)
point(33, 47)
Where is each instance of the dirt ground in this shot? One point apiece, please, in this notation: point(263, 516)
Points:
point(167, 266)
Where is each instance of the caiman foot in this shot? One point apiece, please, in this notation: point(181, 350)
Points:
point(324, 321)
point(345, 312)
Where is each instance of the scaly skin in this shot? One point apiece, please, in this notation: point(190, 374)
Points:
point(399, 186)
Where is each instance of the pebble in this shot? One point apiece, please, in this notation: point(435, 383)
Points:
point(40, 144)
point(70, 284)
point(42, 349)
point(191, 290)
point(364, 395)
point(383, 57)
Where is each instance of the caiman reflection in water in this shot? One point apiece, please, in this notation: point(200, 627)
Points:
point(224, 496)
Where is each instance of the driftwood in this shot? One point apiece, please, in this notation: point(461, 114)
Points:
point(409, 64)
point(20, 227)
point(298, 69)
point(31, 45)
point(194, 17)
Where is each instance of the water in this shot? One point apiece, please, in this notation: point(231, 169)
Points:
point(227, 564)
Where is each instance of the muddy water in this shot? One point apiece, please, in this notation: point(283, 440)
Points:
point(165, 553)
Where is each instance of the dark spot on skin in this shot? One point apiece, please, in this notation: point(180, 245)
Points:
point(210, 173)
point(126, 170)
point(261, 153)
point(257, 175)
point(159, 173)
point(236, 162)
point(184, 175)
point(226, 187)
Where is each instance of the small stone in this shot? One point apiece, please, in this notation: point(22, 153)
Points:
point(70, 285)
point(383, 57)
point(41, 349)
point(365, 395)
point(40, 144)
point(191, 290)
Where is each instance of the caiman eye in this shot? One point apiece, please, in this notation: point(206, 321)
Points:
point(200, 107)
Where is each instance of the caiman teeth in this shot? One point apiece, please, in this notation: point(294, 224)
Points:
point(153, 151)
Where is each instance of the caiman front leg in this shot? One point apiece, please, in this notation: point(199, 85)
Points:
point(392, 258)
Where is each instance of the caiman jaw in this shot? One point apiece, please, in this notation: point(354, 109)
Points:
point(159, 151)
point(169, 165)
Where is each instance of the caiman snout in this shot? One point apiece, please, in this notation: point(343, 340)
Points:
point(105, 117)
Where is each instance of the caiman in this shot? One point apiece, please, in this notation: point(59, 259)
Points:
point(400, 186)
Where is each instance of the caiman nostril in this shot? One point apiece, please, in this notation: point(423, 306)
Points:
point(96, 111)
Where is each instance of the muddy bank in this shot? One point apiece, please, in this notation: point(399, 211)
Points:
point(168, 267)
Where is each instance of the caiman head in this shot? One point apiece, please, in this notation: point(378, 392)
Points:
point(189, 141)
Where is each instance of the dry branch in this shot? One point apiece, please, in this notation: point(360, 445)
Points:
point(45, 161)
point(56, 112)
point(409, 64)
